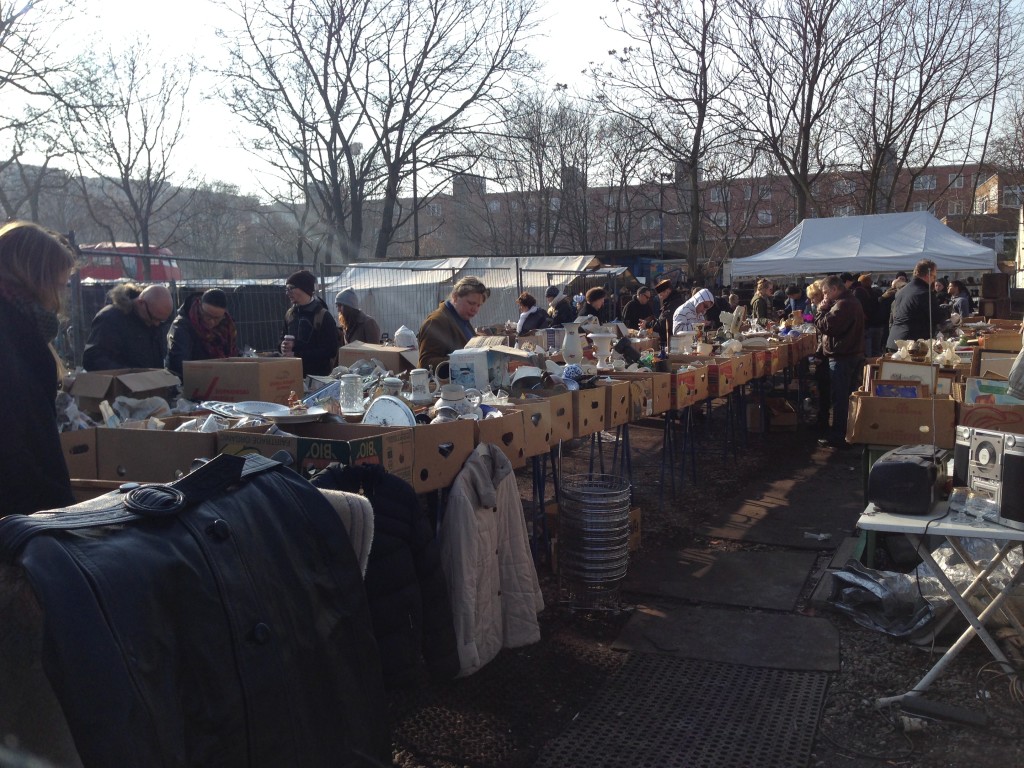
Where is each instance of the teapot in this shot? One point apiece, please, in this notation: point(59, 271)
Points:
point(465, 402)
point(423, 386)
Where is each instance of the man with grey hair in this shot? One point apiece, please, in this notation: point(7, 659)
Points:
point(916, 312)
point(840, 318)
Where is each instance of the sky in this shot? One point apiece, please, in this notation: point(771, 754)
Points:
point(571, 35)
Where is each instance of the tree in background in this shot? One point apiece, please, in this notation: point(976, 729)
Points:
point(123, 119)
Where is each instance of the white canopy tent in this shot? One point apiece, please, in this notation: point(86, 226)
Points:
point(886, 242)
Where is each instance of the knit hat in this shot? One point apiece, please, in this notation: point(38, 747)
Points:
point(215, 297)
point(846, 277)
point(304, 281)
point(347, 297)
point(594, 294)
point(551, 292)
point(664, 285)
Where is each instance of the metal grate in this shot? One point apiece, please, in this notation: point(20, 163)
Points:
point(660, 712)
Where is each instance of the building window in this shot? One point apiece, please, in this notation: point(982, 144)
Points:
point(920, 207)
point(955, 208)
point(981, 204)
point(844, 187)
point(555, 204)
point(434, 209)
point(748, 192)
point(719, 218)
point(765, 192)
point(1013, 196)
point(494, 206)
point(650, 221)
point(842, 210)
point(925, 182)
point(764, 217)
point(719, 195)
point(956, 181)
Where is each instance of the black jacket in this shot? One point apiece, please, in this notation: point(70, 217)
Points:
point(316, 336)
point(915, 313)
point(182, 341)
point(33, 474)
point(231, 633)
point(405, 586)
point(563, 312)
point(635, 315)
point(120, 339)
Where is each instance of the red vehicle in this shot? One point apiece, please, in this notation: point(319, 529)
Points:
point(117, 261)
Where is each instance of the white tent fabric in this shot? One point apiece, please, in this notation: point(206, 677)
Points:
point(400, 293)
point(886, 242)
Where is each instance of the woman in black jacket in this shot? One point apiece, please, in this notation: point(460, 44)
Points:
point(34, 269)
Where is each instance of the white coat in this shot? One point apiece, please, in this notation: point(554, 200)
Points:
point(485, 553)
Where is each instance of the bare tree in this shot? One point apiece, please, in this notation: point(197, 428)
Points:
point(624, 212)
point(925, 94)
point(796, 59)
point(126, 120)
point(673, 80)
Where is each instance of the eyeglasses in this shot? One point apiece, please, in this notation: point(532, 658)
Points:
point(210, 317)
point(152, 319)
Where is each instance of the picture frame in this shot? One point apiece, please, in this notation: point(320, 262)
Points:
point(944, 383)
point(899, 370)
point(897, 388)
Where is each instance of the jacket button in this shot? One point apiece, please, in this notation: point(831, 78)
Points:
point(220, 530)
point(261, 634)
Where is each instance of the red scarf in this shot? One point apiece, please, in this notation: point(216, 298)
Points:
point(219, 341)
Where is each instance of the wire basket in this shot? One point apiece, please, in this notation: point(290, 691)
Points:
point(593, 540)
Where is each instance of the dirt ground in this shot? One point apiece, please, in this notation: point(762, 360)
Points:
point(503, 716)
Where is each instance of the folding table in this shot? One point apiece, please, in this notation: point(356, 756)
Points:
point(940, 522)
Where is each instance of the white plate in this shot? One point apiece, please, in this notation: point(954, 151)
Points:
point(259, 408)
point(295, 417)
point(389, 411)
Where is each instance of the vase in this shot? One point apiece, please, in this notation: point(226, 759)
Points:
point(572, 346)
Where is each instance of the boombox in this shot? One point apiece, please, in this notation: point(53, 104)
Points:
point(903, 481)
point(992, 465)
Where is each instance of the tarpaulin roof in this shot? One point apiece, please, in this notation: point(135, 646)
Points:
point(876, 243)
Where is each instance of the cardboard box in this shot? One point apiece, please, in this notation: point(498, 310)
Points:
point(85, 490)
point(79, 447)
point(439, 451)
point(617, 402)
point(781, 414)
point(634, 529)
point(1000, 341)
point(721, 373)
point(641, 393)
point(901, 421)
point(998, 418)
point(562, 411)
point(237, 379)
point(536, 424)
point(760, 363)
point(90, 388)
point(315, 445)
point(690, 387)
point(396, 359)
point(743, 368)
point(150, 455)
point(588, 409)
point(992, 364)
point(506, 433)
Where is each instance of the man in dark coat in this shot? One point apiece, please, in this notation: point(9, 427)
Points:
point(840, 318)
point(311, 325)
point(639, 312)
point(560, 308)
point(916, 312)
point(131, 331)
point(671, 300)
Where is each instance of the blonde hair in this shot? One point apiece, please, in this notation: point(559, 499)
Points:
point(815, 293)
point(763, 283)
point(470, 284)
point(36, 260)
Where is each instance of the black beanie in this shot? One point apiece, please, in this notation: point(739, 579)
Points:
point(215, 297)
point(304, 281)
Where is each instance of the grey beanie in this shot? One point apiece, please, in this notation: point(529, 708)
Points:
point(347, 297)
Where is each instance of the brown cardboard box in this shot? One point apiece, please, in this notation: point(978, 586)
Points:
point(588, 411)
point(506, 433)
point(761, 364)
point(237, 379)
point(315, 445)
point(396, 359)
point(901, 421)
point(641, 392)
point(84, 490)
point(79, 448)
point(991, 362)
point(721, 373)
point(781, 415)
point(690, 387)
point(536, 424)
point(743, 368)
point(150, 455)
point(1001, 341)
point(617, 402)
point(562, 411)
point(999, 418)
point(93, 387)
point(439, 451)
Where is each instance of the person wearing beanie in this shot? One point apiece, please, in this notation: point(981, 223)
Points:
point(560, 308)
point(202, 330)
point(594, 305)
point(670, 299)
point(311, 325)
point(353, 323)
